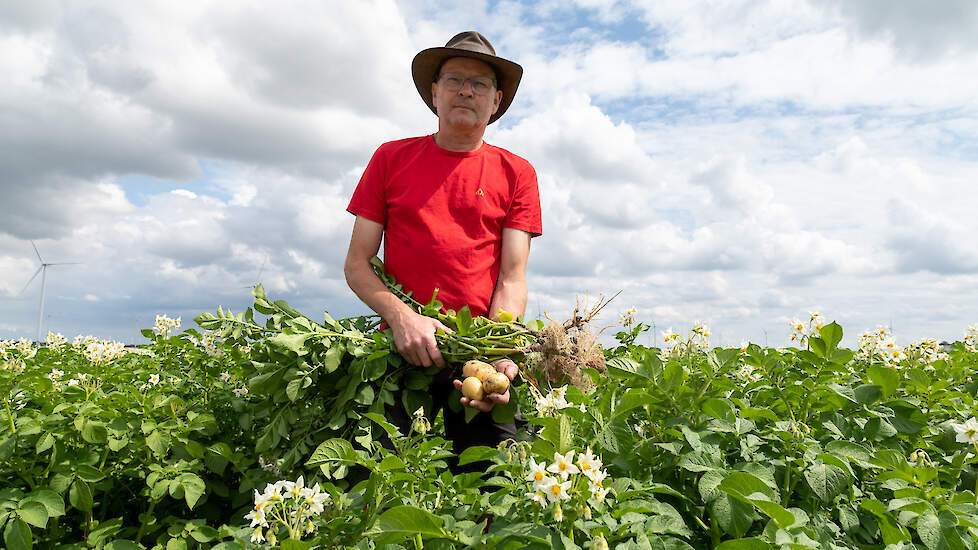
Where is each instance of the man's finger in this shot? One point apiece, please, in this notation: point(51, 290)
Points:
point(407, 354)
point(484, 406)
point(435, 355)
point(499, 398)
point(507, 367)
point(511, 371)
point(421, 352)
point(421, 357)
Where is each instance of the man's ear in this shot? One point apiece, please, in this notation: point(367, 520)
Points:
point(499, 98)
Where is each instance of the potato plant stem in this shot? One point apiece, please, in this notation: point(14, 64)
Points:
point(326, 333)
point(10, 416)
point(498, 351)
point(142, 526)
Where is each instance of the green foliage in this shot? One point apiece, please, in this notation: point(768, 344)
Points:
point(707, 448)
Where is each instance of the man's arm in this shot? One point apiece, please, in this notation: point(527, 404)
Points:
point(509, 295)
point(510, 292)
point(414, 334)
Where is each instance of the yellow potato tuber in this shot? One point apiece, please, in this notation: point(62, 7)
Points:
point(478, 369)
point(472, 388)
point(496, 382)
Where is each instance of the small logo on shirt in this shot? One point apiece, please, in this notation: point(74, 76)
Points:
point(479, 192)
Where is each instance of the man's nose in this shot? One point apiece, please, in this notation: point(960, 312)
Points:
point(466, 88)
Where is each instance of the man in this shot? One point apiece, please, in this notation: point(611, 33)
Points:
point(455, 214)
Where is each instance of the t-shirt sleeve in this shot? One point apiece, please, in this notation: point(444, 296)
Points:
point(370, 197)
point(524, 211)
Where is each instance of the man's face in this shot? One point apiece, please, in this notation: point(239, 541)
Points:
point(465, 107)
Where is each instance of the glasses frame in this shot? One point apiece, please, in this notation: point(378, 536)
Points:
point(470, 79)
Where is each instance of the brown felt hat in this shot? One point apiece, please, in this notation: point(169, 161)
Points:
point(466, 44)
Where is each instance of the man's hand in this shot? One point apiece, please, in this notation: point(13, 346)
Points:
point(504, 366)
point(414, 336)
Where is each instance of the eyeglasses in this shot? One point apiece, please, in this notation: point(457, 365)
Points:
point(481, 85)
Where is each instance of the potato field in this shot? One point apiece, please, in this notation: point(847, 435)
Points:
point(262, 429)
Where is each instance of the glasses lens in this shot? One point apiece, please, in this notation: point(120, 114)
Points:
point(481, 85)
point(454, 83)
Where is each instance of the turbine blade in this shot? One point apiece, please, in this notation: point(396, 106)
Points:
point(260, 269)
point(36, 252)
point(30, 281)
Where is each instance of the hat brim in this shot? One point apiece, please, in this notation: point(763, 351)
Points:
point(427, 62)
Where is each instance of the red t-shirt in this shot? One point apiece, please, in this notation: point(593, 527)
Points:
point(443, 214)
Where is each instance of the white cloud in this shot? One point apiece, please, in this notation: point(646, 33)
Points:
point(571, 138)
point(737, 163)
point(17, 273)
point(922, 240)
point(741, 53)
point(733, 191)
point(919, 29)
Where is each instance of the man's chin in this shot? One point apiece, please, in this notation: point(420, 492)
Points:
point(463, 120)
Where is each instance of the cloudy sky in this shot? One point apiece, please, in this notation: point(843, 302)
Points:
point(735, 162)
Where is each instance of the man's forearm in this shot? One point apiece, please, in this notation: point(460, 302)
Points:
point(372, 291)
point(510, 296)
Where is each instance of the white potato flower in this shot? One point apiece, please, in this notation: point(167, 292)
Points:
point(967, 432)
point(556, 491)
point(596, 478)
point(589, 462)
point(538, 471)
point(564, 465)
point(598, 495)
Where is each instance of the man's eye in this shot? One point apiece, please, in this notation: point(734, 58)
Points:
point(480, 86)
point(455, 82)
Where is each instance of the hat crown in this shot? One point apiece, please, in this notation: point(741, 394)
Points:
point(471, 41)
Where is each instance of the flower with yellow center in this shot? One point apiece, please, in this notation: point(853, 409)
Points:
point(589, 462)
point(564, 465)
point(555, 490)
point(967, 432)
point(596, 477)
point(537, 473)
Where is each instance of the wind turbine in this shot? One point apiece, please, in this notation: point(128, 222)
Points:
point(43, 270)
point(260, 270)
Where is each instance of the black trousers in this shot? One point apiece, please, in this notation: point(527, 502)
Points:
point(482, 430)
